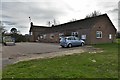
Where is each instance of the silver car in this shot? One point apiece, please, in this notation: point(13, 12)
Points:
point(8, 40)
point(71, 41)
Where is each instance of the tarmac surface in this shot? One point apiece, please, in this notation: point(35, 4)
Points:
point(26, 51)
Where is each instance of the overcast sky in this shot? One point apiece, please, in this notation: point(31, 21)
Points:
point(15, 13)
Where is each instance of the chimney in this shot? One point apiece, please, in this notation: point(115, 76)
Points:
point(31, 24)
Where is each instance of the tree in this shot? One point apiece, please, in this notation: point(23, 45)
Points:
point(13, 30)
point(54, 22)
point(2, 28)
point(49, 23)
point(93, 14)
point(2, 31)
point(118, 34)
point(73, 20)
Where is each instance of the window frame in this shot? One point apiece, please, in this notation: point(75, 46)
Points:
point(44, 36)
point(110, 36)
point(74, 33)
point(52, 36)
point(83, 36)
point(100, 33)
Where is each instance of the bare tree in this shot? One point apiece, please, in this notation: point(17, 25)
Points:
point(56, 22)
point(49, 23)
point(73, 20)
point(53, 22)
point(93, 14)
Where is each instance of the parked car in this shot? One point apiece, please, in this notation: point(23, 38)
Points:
point(71, 41)
point(8, 40)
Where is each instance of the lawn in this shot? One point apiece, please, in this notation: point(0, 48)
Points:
point(85, 65)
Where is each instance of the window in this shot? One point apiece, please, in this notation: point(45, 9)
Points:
point(110, 36)
point(83, 37)
point(76, 38)
point(99, 34)
point(69, 38)
point(74, 34)
point(51, 36)
point(61, 34)
point(41, 37)
point(38, 37)
point(44, 36)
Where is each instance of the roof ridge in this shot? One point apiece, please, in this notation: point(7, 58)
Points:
point(82, 19)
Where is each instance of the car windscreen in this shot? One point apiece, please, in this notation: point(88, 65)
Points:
point(62, 39)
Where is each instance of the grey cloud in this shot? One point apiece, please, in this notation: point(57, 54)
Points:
point(113, 10)
point(31, 9)
point(6, 16)
point(17, 12)
point(107, 5)
point(9, 23)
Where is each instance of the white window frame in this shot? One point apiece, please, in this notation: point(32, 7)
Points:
point(38, 37)
point(83, 36)
point(41, 37)
point(61, 34)
point(110, 36)
point(74, 33)
point(98, 33)
point(51, 36)
point(44, 36)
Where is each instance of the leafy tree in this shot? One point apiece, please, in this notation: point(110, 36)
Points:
point(118, 34)
point(2, 30)
point(13, 30)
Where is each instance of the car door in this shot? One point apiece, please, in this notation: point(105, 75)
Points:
point(71, 40)
point(74, 41)
point(77, 41)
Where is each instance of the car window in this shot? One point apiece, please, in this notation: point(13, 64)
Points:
point(76, 38)
point(62, 39)
point(69, 38)
point(72, 38)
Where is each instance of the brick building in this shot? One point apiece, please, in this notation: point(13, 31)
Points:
point(93, 30)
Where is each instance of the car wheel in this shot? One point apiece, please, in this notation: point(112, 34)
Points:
point(62, 46)
point(82, 44)
point(70, 45)
point(5, 44)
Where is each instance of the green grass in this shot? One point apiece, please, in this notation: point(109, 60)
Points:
point(72, 66)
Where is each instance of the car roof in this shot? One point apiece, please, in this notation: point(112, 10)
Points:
point(70, 36)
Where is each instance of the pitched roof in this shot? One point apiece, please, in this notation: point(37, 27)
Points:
point(83, 24)
point(38, 27)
